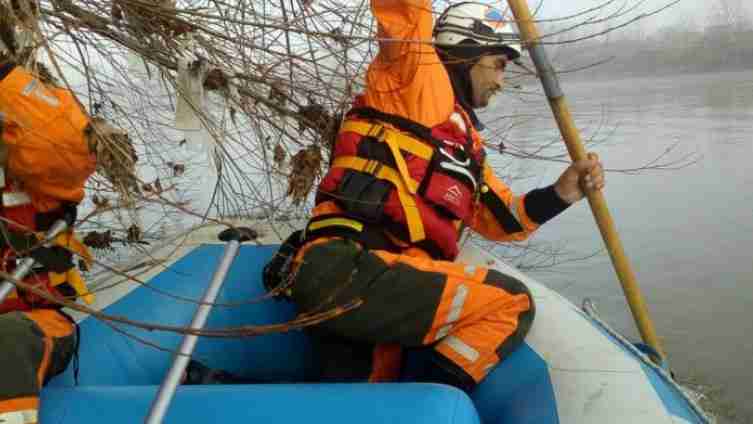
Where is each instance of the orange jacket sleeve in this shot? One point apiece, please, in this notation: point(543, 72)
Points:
point(44, 132)
point(407, 78)
point(501, 215)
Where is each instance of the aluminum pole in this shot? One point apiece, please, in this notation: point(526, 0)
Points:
point(23, 268)
point(571, 136)
point(159, 407)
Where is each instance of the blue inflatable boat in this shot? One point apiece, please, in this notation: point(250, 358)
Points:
point(572, 368)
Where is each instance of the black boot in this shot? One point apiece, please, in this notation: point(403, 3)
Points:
point(198, 373)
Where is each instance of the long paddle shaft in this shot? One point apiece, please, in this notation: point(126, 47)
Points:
point(234, 237)
point(575, 147)
point(23, 268)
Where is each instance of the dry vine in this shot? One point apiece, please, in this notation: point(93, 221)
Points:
point(246, 94)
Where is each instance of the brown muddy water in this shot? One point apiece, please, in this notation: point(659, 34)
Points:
point(688, 232)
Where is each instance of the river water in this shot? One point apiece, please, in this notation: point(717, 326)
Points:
point(688, 231)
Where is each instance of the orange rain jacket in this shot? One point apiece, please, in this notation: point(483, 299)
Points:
point(44, 130)
point(407, 79)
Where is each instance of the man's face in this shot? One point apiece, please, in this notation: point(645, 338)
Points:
point(487, 78)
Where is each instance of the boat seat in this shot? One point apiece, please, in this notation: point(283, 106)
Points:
point(282, 403)
point(114, 363)
point(110, 357)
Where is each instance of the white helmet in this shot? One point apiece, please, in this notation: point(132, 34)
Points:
point(481, 23)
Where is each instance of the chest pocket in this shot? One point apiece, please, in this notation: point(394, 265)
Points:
point(451, 182)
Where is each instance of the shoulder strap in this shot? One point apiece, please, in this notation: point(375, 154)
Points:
point(399, 122)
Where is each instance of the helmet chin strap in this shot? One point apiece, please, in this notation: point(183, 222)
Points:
point(460, 77)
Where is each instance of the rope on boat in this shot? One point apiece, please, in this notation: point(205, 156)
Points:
point(589, 307)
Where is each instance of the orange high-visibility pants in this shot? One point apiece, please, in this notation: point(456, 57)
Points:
point(34, 346)
point(471, 317)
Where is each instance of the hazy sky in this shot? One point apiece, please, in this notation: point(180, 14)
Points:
point(554, 7)
point(693, 10)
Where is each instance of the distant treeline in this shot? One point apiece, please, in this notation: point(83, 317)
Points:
point(671, 50)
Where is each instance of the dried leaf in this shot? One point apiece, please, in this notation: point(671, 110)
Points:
point(178, 169)
point(338, 36)
point(134, 234)
point(279, 154)
point(116, 156)
point(97, 240)
point(277, 93)
point(100, 202)
point(314, 116)
point(305, 169)
point(215, 80)
point(116, 12)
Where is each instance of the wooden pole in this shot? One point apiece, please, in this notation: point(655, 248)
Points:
point(530, 37)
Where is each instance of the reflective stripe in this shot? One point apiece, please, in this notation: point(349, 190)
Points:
point(443, 331)
point(17, 198)
point(458, 166)
point(343, 222)
point(457, 119)
point(413, 218)
point(36, 88)
point(455, 310)
point(461, 348)
point(2, 177)
point(411, 145)
point(27, 416)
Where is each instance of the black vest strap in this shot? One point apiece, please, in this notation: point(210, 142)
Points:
point(341, 225)
point(371, 236)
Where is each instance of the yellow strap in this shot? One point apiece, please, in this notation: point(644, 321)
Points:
point(389, 138)
point(343, 222)
point(73, 277)
point(69, 241)
point(76, 281)
point(57, 278)
point(396, 141)
point(413, 218)
point(415, 225)
point(411, 145)
point(379, 170)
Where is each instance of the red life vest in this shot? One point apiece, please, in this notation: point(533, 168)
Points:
point(22, 219)
point(419, 184)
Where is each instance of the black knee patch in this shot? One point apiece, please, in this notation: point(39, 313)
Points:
point(505, 282)
point(21, 352)
point(525, 320)
point(430, 366)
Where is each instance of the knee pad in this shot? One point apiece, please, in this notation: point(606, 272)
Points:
point(525, 320)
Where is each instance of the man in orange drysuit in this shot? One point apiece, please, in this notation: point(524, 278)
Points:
point(45, 162)
point(408, 174)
